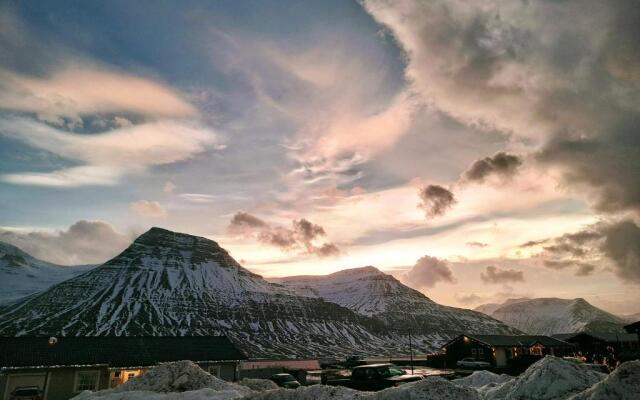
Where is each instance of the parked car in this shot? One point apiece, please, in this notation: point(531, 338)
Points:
point(26, 393)
point(375, 377)
point(472, 363)
point(285, 380)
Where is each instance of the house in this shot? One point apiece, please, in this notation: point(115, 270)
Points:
point(621, 345)
point(503, 351)
point(62, 367)
point(633, 328)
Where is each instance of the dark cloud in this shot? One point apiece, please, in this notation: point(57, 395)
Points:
point(617, 241)
point(520, 69)
point(501, 164)
point(476, 244)
point(436, 200)
point(242, 221)
point(300, 237)
point(492, 274)
point(622, 245)
point(566, 248)
point(427, 272)
point(85, 242)
point(585, 269)
point(533, 243)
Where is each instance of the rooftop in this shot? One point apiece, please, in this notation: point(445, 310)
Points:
point(113, 351)
point(515, 340)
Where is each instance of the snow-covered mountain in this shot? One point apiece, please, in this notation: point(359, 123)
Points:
point(169, 283)
point(490, 308)
point(548, 316)
point(372, 293)
point(22, 275)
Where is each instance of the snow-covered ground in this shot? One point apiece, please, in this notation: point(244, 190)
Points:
point(549, 379)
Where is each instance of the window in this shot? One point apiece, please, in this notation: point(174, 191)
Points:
point(480, 352)
point(86, 380)
point(214, 370)
point(474, 352)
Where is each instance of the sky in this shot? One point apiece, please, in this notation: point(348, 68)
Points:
point(476, 150)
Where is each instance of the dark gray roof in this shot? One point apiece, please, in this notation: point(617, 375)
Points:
point(517, 340)
point(633, 327)
point(114, 351)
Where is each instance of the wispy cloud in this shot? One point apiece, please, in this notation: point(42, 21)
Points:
point(107, 156)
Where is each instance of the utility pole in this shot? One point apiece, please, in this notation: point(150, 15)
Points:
point(410, 352)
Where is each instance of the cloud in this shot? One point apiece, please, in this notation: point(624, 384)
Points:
point(492, 274)
point(84, 88)
point(109, 156)
point(585, 269)
point(84, 242)
point(427, 272)
point(566, 93)
point(302, 237)
point(470, 298)
point(476, 244)
point(244, 223)
point(622, 245)
point(501, 164)
point(151, 209)
point(436, 200)
point(617, 241)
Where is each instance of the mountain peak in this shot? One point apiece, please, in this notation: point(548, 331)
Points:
point(164, 237)
point(361, 271)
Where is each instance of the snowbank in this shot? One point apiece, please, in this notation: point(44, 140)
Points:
point(551, 378)
point(182, 380)
point(432, 388)
point(258, 385)
point(180, 376)
point(622, 384)
point(202, 394)
point(315, 392)
point(482, 378)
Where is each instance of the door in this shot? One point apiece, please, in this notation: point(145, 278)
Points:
point(24, 380)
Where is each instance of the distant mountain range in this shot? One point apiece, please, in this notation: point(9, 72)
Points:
point(169, 283)
point(372, 293)
point(22, 275)
point(548, 316)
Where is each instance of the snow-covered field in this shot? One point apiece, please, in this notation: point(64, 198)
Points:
point(549, 379)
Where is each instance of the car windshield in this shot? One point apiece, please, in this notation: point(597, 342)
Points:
point(287, 378)
point(390, 371)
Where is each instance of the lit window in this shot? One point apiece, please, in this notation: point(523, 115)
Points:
point(87, 380)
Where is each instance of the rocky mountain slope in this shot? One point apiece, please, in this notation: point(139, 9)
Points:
point(169, 283)
point(548, 316)
point(372, 293)
point(22, 275)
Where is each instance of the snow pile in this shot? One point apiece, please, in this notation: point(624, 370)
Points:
point(548, 379)
point(315, 392)
point(202, 394)
point(482, 378)
point(432, 388)
point(258, 385)
point(180, 376)
point(622, 384)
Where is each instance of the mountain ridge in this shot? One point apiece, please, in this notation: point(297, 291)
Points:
point(22, 275)
point(169, 283)
point(548, 316)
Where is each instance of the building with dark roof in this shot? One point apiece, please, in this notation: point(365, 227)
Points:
point(504, 351)
point(62, 367)
point(621, 346)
